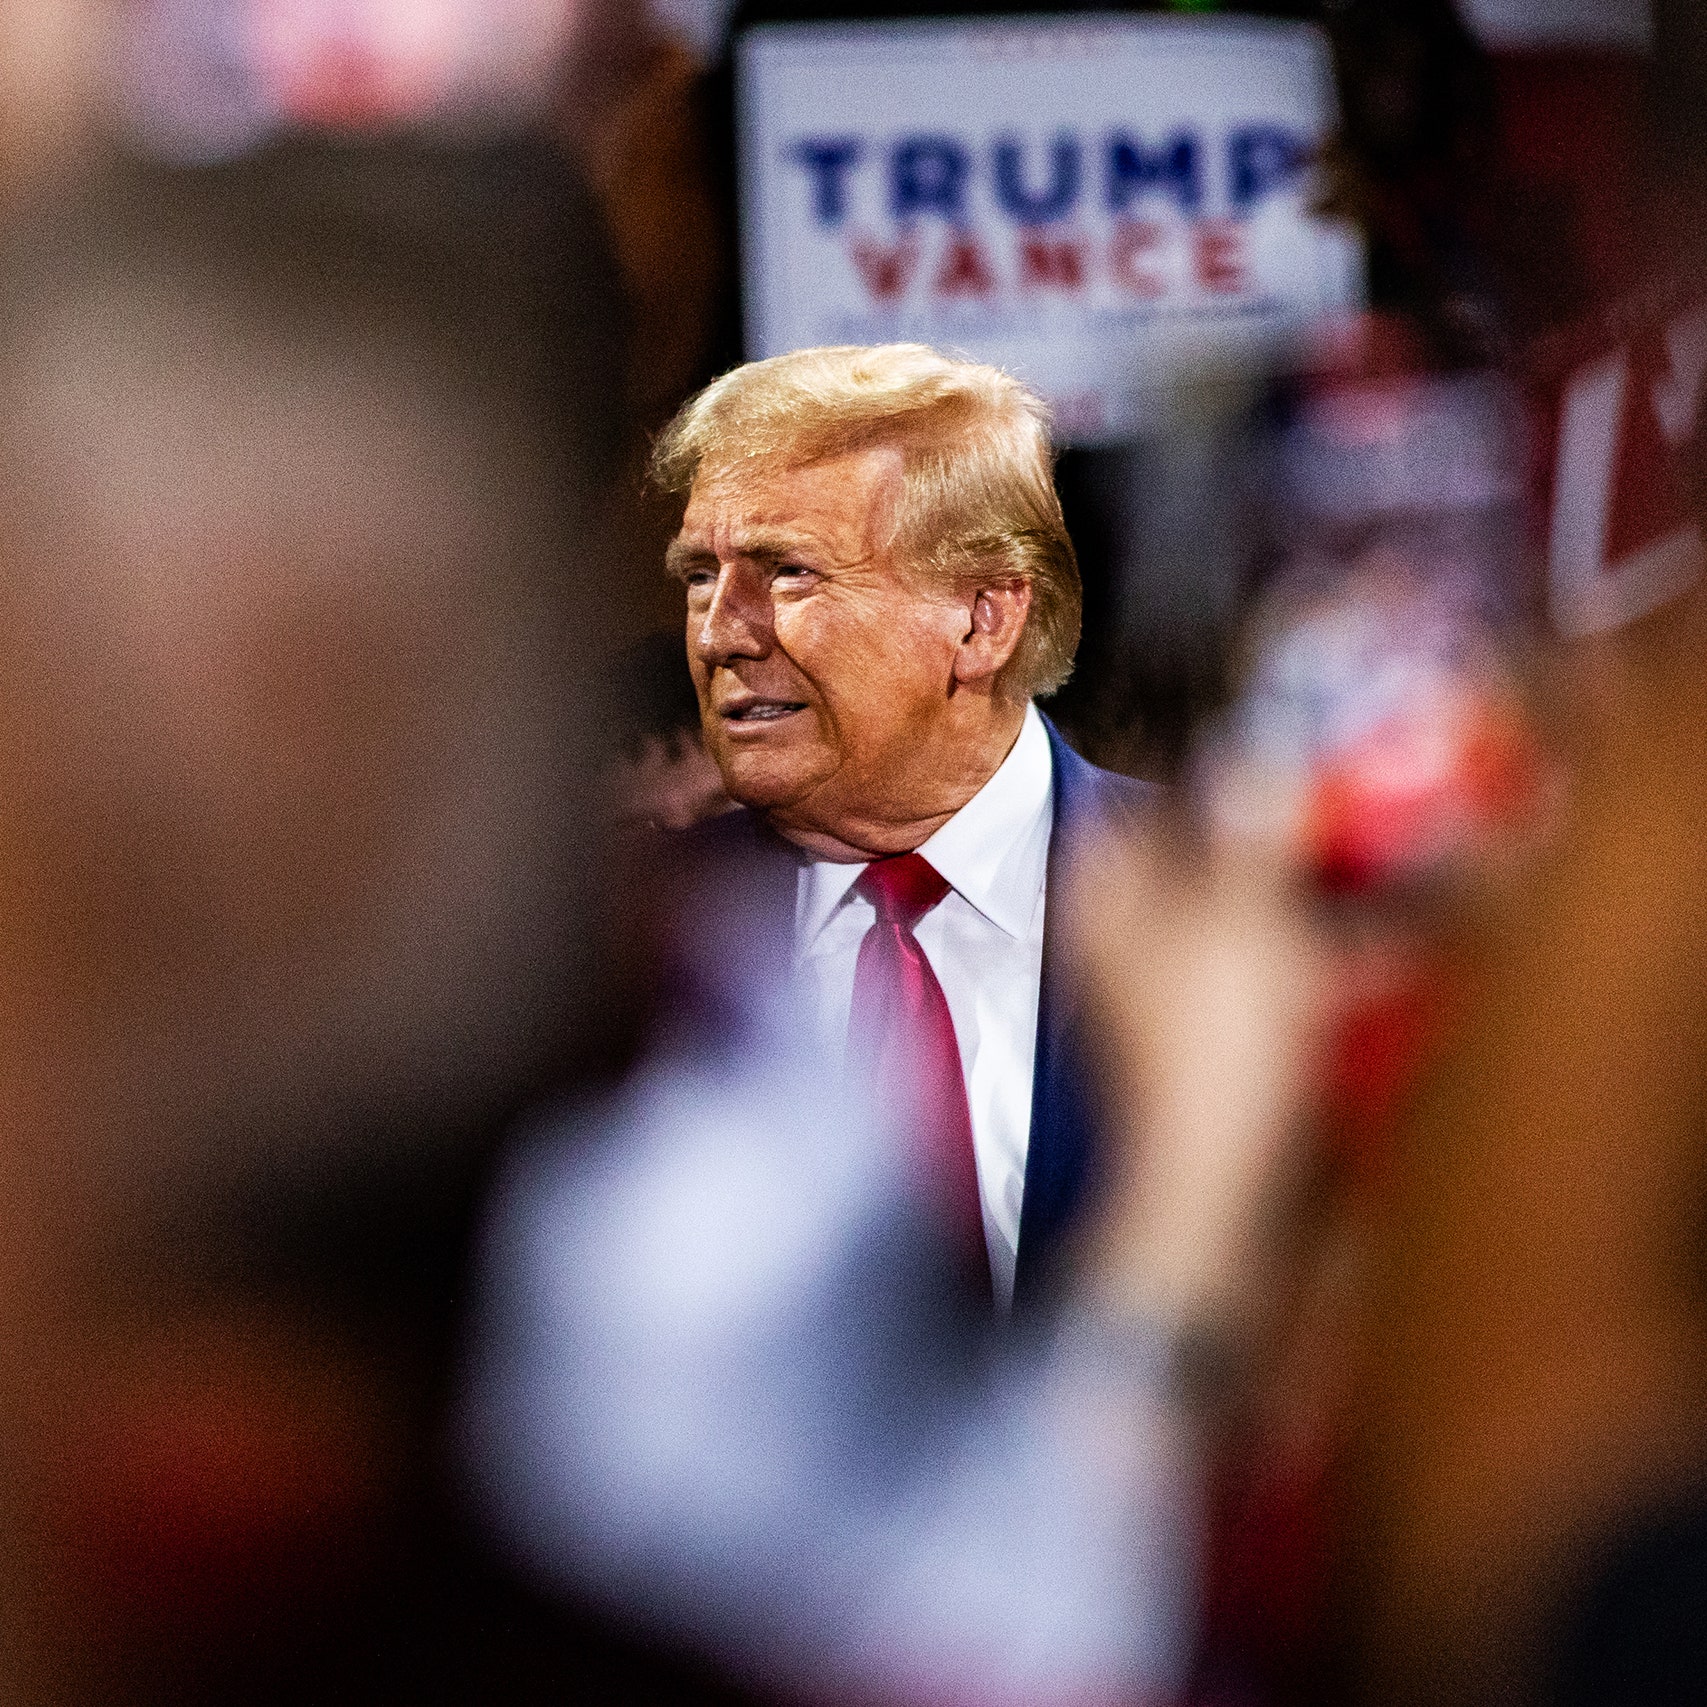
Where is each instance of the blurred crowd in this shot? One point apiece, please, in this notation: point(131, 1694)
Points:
point(439, 1259)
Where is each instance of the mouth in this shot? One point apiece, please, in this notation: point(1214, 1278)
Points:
point(753, 712)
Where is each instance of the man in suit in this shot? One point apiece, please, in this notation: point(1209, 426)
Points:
point(722, 1378)
point(879, 587)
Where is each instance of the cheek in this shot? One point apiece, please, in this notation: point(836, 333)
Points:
point(818, 641)
point(860, 651)
point(890, 666)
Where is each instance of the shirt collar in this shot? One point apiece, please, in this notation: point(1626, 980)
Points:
point(824, 886)
point(994, 851)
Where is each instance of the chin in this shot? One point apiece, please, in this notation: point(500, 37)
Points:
point(766, 780)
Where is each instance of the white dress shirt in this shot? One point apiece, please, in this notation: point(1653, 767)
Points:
point(984, 941)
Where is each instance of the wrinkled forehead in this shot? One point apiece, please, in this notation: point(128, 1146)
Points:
point(848, 501)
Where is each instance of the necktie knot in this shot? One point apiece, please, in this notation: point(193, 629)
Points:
point(902, 888)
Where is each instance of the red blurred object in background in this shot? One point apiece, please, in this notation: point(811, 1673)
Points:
point(211, 1478)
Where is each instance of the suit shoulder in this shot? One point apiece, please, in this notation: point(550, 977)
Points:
point(1088, 794)
point(1130, 793)
point(1115, 802)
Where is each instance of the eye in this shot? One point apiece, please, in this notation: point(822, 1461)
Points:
point(699, 577)
point(794, 572)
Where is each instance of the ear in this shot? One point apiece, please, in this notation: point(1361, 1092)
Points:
point(996, 620)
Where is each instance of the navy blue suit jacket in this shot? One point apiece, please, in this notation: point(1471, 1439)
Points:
point(1062, 1154)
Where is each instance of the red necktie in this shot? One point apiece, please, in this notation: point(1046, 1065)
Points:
point(901, 1020)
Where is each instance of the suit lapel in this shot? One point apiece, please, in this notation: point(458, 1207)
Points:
point(1061, 1156)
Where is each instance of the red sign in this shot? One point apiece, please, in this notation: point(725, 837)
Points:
point(1619, 414)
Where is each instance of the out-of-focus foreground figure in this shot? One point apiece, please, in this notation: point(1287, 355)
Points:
point(288, 754)
point(1544, 1356)
point(1535, 1444)
point(56, 88)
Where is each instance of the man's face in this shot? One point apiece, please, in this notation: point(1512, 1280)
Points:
point(825, 671)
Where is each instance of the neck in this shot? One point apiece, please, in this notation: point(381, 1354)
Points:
point(856, 838)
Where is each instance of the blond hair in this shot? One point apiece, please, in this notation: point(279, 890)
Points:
point(978, 502)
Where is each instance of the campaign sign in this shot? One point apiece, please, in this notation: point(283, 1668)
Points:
point(1618, 420)
point(1079, 200)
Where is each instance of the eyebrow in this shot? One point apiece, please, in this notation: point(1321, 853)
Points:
point(770, 547)
point(681, 559)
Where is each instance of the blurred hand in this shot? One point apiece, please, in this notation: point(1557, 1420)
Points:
point(1207, 985)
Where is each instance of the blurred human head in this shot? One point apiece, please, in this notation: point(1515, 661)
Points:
point(977, 498)
point(657, 769)
point(288, 508)
point(56, 85)
point(292, 884)
point(879, 579)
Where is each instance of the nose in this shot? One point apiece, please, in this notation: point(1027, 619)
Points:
point(735, 620)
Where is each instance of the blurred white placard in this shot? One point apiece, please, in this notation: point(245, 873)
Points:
point(1082, 200)
point(1562, 23)
point(702, 24)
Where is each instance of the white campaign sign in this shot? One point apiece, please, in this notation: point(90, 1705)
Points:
point(1626, 24)
point(1076, 199)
